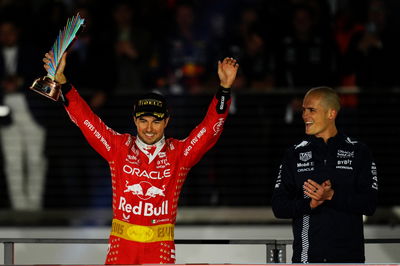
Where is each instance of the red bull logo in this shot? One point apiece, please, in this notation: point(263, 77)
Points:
point(145, 190)
point(145, 209)
point(136, 189)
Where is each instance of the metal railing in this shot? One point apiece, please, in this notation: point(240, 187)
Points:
point(275, 249)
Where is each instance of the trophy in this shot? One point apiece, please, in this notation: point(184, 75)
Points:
point(46, 85)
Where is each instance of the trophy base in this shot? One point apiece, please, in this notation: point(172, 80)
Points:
point(47, 87)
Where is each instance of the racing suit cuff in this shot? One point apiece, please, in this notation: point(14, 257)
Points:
point(65, 88)
point(223, 95)
point(222, 90)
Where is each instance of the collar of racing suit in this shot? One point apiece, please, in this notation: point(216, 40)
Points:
point(151, 151)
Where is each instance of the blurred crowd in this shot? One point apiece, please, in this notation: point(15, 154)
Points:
point(173, 46)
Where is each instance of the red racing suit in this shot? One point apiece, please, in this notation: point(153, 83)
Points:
point(146, 179)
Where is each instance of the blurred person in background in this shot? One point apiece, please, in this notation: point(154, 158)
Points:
point(374, 50)
point(345, 27)
point(304, 57)
point(250, 43)
point(131, 48)
point(326, 183)
point(184, 55)
point(23, 139)
point(147, 170)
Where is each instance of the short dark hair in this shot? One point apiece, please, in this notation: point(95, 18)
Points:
point(329, 96)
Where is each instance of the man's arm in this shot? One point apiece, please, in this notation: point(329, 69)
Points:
point(206, 134)
point(286, 202)
point(362, 197)
point(99, 136)
point(227, 70)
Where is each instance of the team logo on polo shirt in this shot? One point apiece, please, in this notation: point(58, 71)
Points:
point(305, 156)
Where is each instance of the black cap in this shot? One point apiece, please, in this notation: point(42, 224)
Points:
point(152, 104)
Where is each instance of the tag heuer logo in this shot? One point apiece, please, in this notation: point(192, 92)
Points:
point(305, 156)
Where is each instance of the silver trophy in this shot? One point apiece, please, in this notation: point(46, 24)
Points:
point(46, 85)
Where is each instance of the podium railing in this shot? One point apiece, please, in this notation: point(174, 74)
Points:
point(275, 249)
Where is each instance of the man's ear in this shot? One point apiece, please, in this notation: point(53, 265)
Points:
point(332, 114)
point(135, 121)
point(166, 122)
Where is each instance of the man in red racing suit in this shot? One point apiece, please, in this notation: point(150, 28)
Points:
point(147, 175)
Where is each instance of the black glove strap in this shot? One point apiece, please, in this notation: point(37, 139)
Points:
point(223, 95)
point(65, 88)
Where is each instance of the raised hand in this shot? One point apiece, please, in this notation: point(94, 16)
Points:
point(59, 76)
point(227, 70)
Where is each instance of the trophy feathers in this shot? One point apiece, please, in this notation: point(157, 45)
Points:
point(63, 41)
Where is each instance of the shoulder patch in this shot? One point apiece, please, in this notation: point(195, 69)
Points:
point(301, 144)
point(350, 141)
